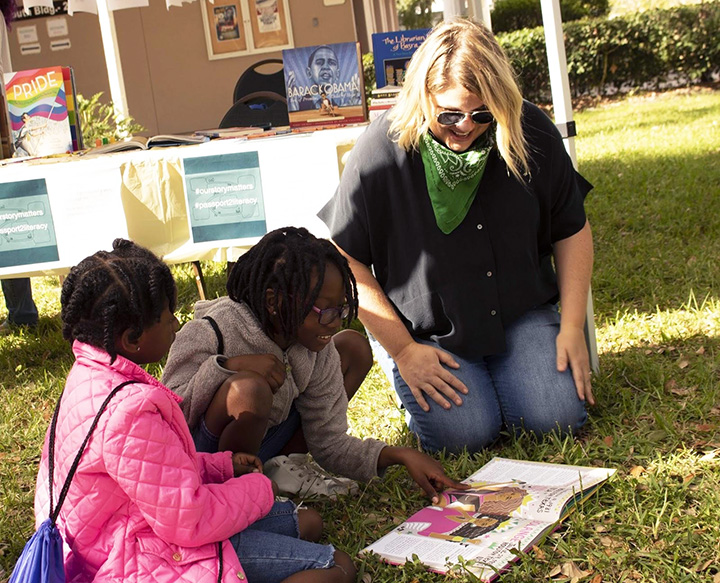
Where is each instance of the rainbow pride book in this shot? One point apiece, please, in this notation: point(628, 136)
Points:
point(37, 102)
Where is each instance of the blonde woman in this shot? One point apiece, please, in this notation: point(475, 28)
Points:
point(452, 210)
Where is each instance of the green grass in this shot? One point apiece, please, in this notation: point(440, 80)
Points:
point(655, 212)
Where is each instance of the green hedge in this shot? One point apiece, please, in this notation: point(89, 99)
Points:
point(634, 50)
point(508, 15)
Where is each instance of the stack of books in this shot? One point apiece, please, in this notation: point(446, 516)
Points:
point(382, 99)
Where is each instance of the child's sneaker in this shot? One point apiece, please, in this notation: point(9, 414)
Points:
point(298, 474)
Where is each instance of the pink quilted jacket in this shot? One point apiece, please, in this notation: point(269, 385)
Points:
point(143, 505)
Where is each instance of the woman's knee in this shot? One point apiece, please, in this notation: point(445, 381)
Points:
point(454, 432)
point(563, 419)
point(310, 524)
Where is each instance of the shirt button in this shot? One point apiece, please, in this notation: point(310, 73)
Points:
point(493, 312)
point(479, 227)
point(241, 575)
point(489, 274)
point(177, 557)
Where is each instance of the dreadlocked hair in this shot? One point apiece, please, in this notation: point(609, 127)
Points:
point(110, 292)
point(291, 262)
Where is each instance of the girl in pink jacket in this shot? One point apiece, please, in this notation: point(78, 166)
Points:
point(144, 505)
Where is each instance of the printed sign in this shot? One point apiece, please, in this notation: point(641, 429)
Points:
point(57, 27)
point(27, 233)
point(27, 34)
point(224, 197)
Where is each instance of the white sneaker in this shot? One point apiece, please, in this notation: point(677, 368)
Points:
point(298, 474)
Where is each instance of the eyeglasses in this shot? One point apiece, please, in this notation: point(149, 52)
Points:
point(328, 315)
point(451, 118)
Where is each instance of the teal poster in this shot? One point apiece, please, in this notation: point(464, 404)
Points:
point(224, 197)
point(27, 233)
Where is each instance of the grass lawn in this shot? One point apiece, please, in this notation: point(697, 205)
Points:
point(655, 212)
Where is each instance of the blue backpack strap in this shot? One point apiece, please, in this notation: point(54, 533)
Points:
point(221, 343)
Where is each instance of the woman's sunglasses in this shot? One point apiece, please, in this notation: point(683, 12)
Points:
point(328, 315)
point(451, 118)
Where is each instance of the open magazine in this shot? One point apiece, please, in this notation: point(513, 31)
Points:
point(511, 506)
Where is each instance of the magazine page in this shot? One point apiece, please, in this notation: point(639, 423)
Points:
point(511, 506)
point(441, 536)
point(543, 489)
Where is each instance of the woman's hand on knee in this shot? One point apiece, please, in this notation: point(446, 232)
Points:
point(268, 366)
point(421, 367)
point(572, 351)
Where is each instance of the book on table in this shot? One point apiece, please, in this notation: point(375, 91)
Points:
point(392, 52)
point(143, 143)
point(324, 85)
point(38, 102)
point(230, 133)
point(511, 506)
point(72, 108)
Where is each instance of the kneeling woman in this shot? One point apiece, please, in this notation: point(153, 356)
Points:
point(451, 211)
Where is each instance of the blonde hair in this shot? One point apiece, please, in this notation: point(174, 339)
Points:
point(462, 52)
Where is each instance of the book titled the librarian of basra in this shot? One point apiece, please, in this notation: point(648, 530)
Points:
point(324, 85)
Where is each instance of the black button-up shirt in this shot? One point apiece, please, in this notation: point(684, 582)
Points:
point(463, 288)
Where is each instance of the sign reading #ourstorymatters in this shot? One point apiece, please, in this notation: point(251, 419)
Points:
point(224, 197)
point(27, 233)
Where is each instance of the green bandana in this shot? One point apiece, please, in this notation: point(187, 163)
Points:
point(452, 178)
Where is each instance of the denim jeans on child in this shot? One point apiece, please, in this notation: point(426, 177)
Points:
point(520, 388)
point(270, 549)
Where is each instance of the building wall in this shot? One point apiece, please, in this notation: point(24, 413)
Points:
point(84, 55)
point(171, 84)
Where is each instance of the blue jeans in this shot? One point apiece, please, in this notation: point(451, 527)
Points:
point(270, 549)
point(519, 389)
point(19, 301)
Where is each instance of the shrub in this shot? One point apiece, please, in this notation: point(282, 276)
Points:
point(633, 51)
point(509, 15)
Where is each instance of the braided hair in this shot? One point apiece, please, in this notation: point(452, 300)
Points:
point(291, 262)
point(111, 292)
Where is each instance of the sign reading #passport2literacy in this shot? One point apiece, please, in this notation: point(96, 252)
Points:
point(224, 197)
point(27, 233)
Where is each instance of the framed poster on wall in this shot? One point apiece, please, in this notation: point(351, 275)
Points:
point(269, 23)
point(243, 27)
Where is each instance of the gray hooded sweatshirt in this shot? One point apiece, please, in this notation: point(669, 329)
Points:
point(195, 371)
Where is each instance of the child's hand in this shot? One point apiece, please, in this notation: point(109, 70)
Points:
point(426, 471)
point(245, 463)
point(268, 366)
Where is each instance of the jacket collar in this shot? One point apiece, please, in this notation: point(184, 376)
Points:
point(97, 357)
